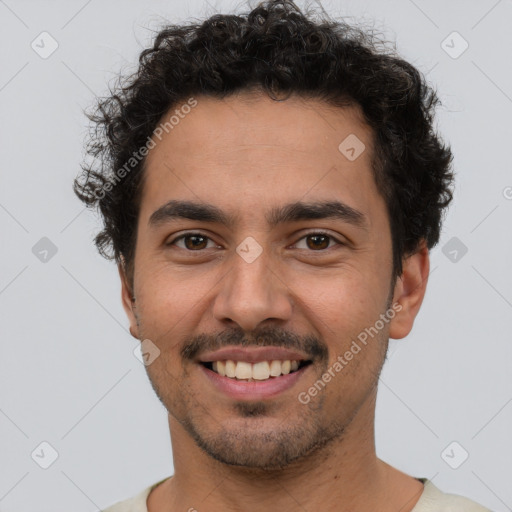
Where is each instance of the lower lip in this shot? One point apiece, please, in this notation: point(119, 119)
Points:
point(255, 390)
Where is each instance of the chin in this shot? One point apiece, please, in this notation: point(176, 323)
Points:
point(257, 444)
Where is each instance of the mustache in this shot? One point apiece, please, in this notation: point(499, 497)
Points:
point(267, 337)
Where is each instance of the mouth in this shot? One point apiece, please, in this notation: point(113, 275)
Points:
point(259, 371)
point(256, 373)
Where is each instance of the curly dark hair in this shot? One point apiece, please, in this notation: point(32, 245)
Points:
point(280, 50)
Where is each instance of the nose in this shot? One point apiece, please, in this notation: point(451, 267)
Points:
point(252, 294)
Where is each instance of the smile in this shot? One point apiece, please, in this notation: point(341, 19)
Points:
point(259, 371)
point(253, 373)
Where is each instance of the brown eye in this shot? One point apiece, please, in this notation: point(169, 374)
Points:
point(318, 241)
point(195, 242)
point(191, 241)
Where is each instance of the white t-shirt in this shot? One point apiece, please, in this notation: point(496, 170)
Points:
point(431, 500)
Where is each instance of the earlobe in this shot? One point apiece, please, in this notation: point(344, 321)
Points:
point(128, 301)
point(133, 332)
point(409, 291)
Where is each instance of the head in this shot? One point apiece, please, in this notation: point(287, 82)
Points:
point(299, 159)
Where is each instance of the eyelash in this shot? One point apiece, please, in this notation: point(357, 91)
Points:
point(194, 233)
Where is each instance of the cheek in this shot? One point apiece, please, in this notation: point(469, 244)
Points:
point(345, 301)
point(346, 314)
point(170, 306)
point(166, 294)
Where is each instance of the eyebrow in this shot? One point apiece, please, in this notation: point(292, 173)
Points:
point(293, 212)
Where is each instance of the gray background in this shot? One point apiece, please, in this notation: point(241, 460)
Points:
point(68, 375)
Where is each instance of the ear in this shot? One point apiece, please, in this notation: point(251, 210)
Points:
point(128, 301)
point(409, 291)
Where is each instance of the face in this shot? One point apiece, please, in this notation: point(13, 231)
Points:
point(263, 252)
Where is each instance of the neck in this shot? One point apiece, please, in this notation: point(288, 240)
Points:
point(343, 476)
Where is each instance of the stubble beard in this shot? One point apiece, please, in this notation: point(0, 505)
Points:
point(254, 447)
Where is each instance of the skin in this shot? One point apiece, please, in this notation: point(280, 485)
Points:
point(246, 154)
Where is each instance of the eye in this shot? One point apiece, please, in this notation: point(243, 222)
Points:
point(192, 241)
point(318, 240)
point(195, 242)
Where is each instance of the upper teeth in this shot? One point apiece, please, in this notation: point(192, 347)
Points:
point(258, 371)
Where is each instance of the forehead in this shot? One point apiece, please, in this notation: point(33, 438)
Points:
point(247, 119)
point(248, 149)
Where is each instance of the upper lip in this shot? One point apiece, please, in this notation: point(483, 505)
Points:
point(252, 354)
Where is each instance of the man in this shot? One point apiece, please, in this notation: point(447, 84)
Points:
point(270, 187)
